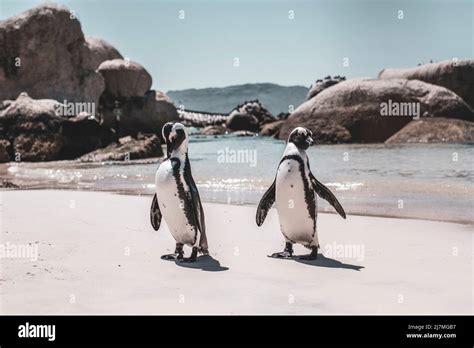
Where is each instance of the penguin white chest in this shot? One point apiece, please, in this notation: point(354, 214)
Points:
point(291, 196)
point(171, 191)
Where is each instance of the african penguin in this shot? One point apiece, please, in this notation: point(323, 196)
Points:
point(295, 191)
point(177, 197)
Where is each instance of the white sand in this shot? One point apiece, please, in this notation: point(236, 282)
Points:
point(410, 266)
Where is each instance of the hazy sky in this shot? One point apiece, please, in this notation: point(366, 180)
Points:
point(199, 51)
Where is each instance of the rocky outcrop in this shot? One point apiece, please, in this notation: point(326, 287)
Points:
point(321, 85)
point(435, 130)
point(271, 129)
point(125, 78)
point(42, 52)
point(38, 134)
point(249, 116)
point(129, 116)
point(457, 76)
point(128, 148)
point(353, 109)
point(238, 121)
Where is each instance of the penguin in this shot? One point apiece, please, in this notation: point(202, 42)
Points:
point(177, 198)
point(295, 191)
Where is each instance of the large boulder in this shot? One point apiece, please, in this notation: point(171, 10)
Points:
point(456, 76)
point(321, 85)
point(42, 52)
point(96, 51)
point(125, 78)
point(128, 148)
point(146, 114)
point(354, 109)
point(249, 116)
point(37, 133)
point(435, 130)
point(246, 122)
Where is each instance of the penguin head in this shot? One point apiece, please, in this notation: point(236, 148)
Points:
point(166, 134)
point(176, 137)
point(301, 137)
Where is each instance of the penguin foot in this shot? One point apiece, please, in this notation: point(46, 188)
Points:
point(281, 255)
point(192, 258)
point(312, 256)
point(170, 257)
point(203, 251)
point(177, 255)
point(285, 254)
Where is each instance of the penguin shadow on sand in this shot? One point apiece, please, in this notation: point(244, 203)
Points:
point(323, 261)
point(204, 263)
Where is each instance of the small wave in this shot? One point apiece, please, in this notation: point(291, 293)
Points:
point(345, 185)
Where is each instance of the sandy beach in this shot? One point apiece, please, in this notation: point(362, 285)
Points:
point(98, 254)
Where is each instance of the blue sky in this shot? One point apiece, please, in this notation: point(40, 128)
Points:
point(199, 51)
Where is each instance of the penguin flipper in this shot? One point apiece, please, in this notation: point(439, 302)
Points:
point(326, 194)
point(155, 214)
point(196, 205)
point(199, 214)
point(265, 204)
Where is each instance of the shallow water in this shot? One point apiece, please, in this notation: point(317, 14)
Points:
point(432, 181)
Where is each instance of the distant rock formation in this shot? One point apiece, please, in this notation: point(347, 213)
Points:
point(221, 100)
point(435, 130)
point(250, 116)
point(351, 110)
point(321, 85)
point(457, 76)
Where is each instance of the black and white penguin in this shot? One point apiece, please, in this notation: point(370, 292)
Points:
point(177, 198)
point(295, 191)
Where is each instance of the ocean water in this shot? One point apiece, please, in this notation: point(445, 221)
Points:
point(427, 181)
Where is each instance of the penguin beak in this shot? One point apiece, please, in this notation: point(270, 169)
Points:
point(310, 141)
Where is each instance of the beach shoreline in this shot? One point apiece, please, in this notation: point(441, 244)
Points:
point(98, 254)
